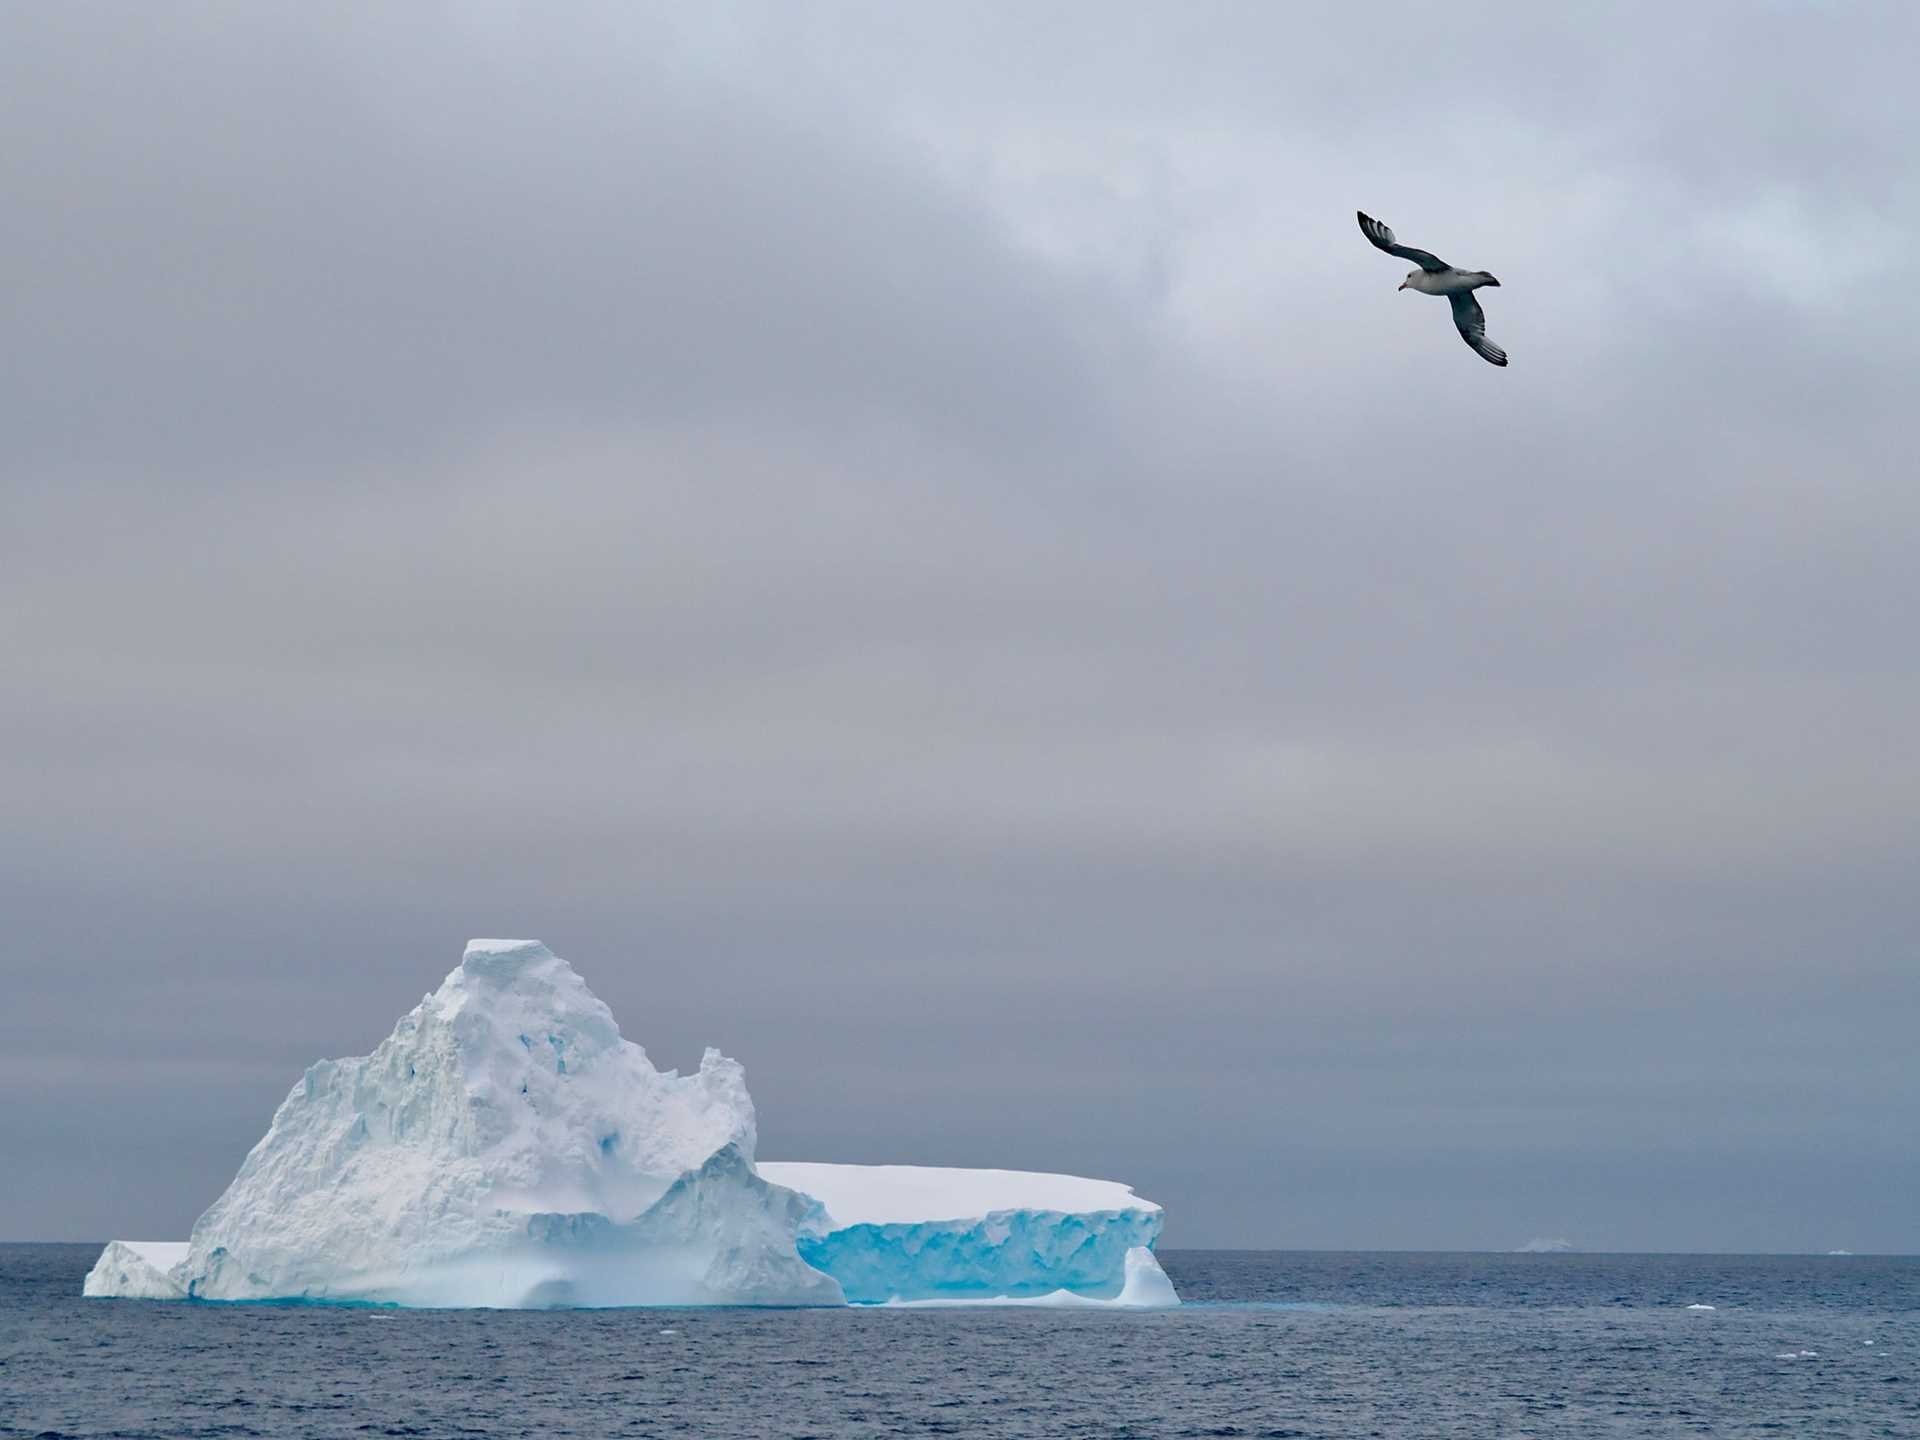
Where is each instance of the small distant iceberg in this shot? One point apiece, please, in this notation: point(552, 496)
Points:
point(507, 1147)
point(1544, 1245)
point(1703, 1307)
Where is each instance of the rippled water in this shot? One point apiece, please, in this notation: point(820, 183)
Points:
point(1275, 1344)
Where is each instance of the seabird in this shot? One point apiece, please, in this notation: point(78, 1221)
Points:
point(1436, 277)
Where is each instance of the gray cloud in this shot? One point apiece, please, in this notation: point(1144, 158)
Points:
point(925, 551)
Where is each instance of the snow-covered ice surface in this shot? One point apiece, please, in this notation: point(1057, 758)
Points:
point(505, 1146)
point(910, 1194)
point(904, 1233)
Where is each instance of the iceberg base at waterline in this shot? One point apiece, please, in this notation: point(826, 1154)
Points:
point(505, 1146)
point(1146, 1287)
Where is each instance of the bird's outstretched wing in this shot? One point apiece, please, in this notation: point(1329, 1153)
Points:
point(1471, 321)
point(1383, 239)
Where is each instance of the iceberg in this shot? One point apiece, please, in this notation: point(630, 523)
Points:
point(905, 1233)
point(137, 1270)
point(503, 1146)
point(506, 1146)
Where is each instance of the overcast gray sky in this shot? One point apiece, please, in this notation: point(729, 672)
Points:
point(920, 545)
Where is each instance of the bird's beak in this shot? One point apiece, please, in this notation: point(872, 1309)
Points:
point(1401, 286)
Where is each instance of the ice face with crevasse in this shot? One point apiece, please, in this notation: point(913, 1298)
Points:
point(505, 1146)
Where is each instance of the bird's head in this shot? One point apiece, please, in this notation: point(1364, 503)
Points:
point(1408, 282)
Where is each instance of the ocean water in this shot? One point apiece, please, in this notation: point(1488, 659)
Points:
point(1271, 1344)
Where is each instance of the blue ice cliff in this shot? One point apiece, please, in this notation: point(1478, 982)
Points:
point(505, 1146)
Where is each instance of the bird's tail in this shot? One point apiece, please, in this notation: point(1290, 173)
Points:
point(1487, 279)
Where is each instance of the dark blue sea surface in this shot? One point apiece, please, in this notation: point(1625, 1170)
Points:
point(1271, 1344)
